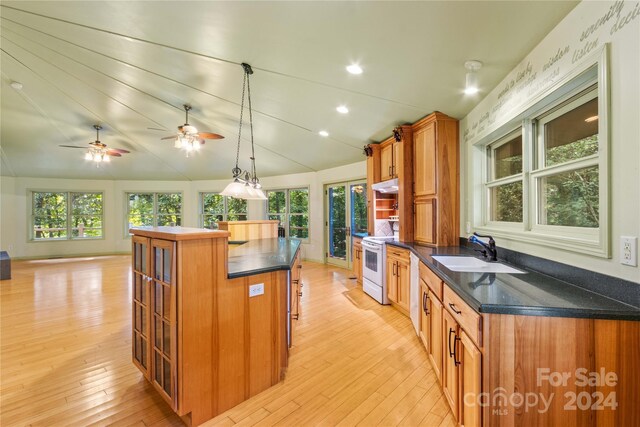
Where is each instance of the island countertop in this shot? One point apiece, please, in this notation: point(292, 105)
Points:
point(262, 256)
point(532, 293)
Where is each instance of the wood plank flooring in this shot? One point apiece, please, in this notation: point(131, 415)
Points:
point(65, 356)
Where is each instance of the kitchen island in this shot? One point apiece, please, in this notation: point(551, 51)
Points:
point(211, 325)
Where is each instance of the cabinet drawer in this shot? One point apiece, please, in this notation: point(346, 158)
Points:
point(467, 318)
point(397, 253)
point(433, 282)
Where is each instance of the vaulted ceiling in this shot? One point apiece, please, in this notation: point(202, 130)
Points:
point(130, 66)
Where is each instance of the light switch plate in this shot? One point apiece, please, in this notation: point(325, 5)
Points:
point(629, 250)
point(255, 290)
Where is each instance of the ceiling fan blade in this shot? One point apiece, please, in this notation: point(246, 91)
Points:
point(72, 146)
point(161, 130)
point(209, 135)
point(113, 154)
point(118, 150)
point(168, 137)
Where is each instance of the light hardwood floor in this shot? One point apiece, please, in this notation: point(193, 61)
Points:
point(66, 356)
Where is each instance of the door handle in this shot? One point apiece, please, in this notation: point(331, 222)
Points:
point(451, 331)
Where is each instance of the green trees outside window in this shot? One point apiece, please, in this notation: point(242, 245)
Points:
point(214, 208)
point(66, 215)
point(154, 209)
point(291, 208)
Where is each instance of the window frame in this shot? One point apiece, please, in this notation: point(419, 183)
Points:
point(225, 204)
point(574, 90)
point(69, 215)
point(287, 213)
point(154, 214)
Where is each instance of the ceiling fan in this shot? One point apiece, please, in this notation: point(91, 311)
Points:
point(188, 136)
point(98, 151)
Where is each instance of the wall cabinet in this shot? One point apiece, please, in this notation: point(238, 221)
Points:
point(398, 277)
point(436, 180)
point(357, 260)
point(388, 156)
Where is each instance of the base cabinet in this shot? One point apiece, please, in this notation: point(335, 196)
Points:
point(450, 366)
point(398, 278)
point(470, 373)
point(295, 292)
point(357, 260)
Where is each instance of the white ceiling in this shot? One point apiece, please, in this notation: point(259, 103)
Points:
point(130, 66)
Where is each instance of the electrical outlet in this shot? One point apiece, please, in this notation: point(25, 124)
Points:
point(629, 250)
point(255, 290)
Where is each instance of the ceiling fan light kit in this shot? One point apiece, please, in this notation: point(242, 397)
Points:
point(188, 138)
point(98, 151)
point(245, 184)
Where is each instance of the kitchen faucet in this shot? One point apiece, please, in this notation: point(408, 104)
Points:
point(488, 247)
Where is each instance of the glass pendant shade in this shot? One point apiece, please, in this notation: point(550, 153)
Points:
point(88, 156)
point(234, 189)
point(471, 85)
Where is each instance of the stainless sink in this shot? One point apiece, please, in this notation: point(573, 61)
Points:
point(474, 265)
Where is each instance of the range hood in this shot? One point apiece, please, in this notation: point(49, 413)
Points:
point(390, 186)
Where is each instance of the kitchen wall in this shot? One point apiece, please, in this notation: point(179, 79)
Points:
point(567, 48)
point(15, 218)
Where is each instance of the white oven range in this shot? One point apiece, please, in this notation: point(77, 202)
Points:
point(373, 267)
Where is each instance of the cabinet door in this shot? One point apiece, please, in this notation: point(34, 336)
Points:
point(403, 284)
point(425, 318)
point(424, 160)
point(140, 337)
point(450, 374)
point(392, 281)
point(163, 323)
point(436, 353)
point(358, 265)
point(425, 221)
point(386, 162)
point(470, 367)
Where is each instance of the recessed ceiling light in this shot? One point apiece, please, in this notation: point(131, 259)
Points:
point(354, 69)
point(323, 133)
point(16, 85)
point(342, 109)
point(591, 119)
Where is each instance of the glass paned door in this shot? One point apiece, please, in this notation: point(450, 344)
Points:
point(346, 215)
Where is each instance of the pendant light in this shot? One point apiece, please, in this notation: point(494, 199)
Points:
point(245, 184)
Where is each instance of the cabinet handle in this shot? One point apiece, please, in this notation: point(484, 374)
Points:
point(296, 281)
point(300, 293)
point(451, 331)
point(455, 350)
point(425, 297)
point(389, 170)
point(455, 310)
point(296, 316)
point(299, 265)
point(393, 269)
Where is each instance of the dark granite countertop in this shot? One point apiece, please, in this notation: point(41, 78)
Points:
point(532, 293)
point(262, 256)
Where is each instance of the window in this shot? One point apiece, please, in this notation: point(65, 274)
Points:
point(214, 208)
point(546, 181)
point(505, 178)
point(291, 208)
point(66, 215)
point(154, 209)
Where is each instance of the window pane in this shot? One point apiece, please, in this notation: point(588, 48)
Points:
point(571, 198)
point(506, 202)
point(86, 226)
point(298, 220)
point(573, 135)
point(169, 203)
point(211, 221)
point(235, 207)
point(359, 208)
point(140, 220)
point(212, 203)
point(169, 220)
point(299, 201)
point(50, 215)
point(299, 233)
point(86, 203)
point(508, 158)
point(140, 204)
point(277, 203)
point(49, 228)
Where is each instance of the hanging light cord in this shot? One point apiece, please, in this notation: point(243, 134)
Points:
point(254, 176)
point(236, 171)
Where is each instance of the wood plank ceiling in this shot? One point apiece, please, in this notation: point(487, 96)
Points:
point(130, 66)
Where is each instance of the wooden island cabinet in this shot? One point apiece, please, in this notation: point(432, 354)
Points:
point(202, 340)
